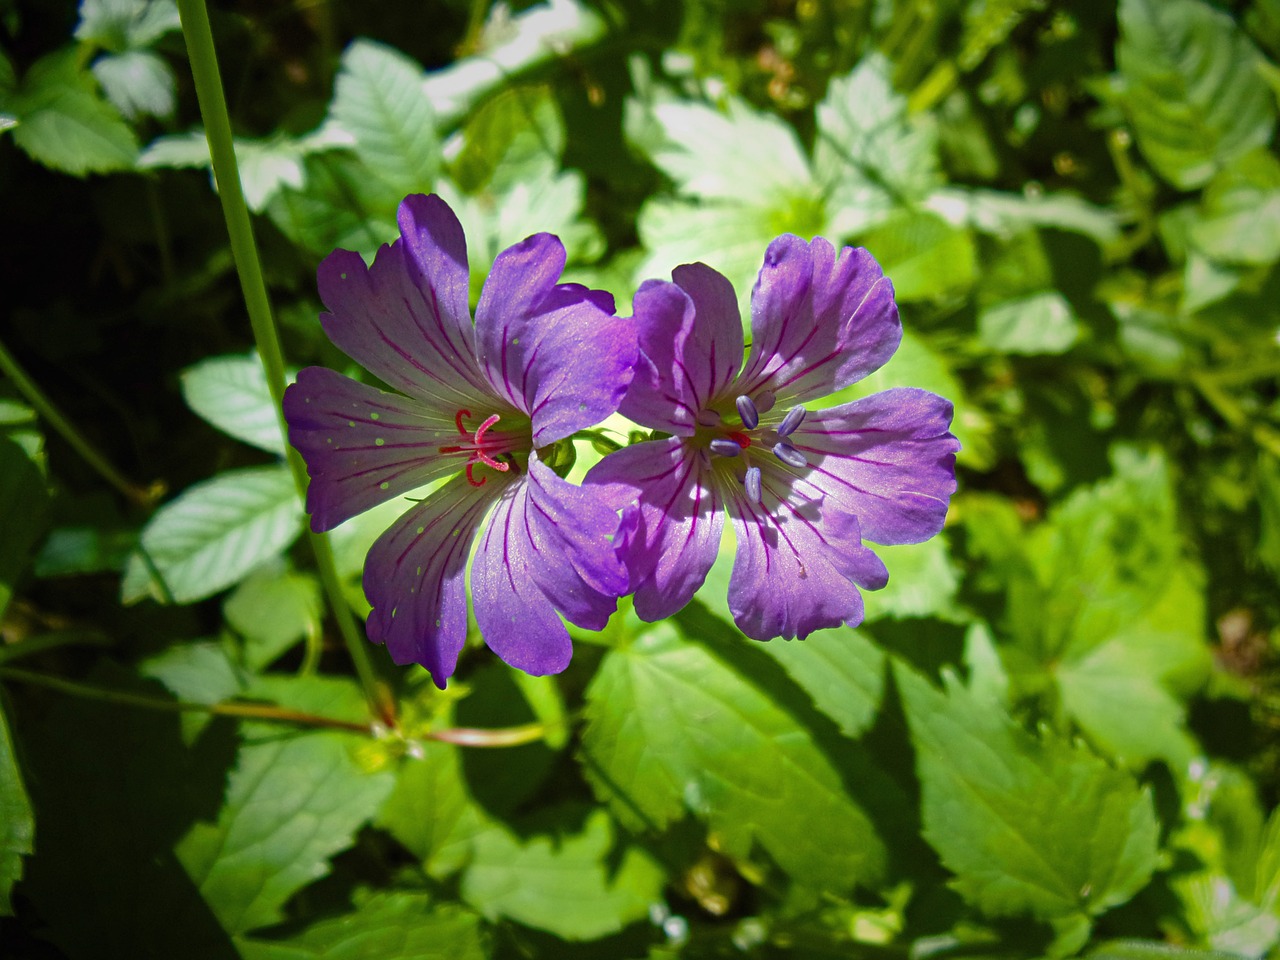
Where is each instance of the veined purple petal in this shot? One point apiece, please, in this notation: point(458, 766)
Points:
point(690, 337)
point(415, 577)
point(794, 573)
point(546, 547)
point(672, 520)
point(888, 458)
point(818, 322)
point(362, 445)
point(553, 350)
point(405, 319)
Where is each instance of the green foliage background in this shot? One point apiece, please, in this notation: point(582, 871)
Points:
point(1056, 733)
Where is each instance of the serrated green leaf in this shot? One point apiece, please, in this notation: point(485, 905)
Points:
point(214, 533)
point(993, 212)
point(379, 100)
point(64, 124)
point(1028, 826)
point(196, 673)
point(673, 728)
point(1191, 87)
point(1042, 323)
point(138, 82)
point(232, 394)
point(924, 256)
point(516, 137)
point(579, 886)
point(922, 582)
point(273, 610)
point(17, 823)
point(293, 800)
point(120, 25)
point(24, 508)
point(385, 926)
point(1240, 217)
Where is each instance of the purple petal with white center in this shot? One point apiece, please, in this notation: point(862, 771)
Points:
point(818, 322)
point(545, 548)
point(672, 520)
point(362, 445)
point(553, 350)
point(888, 458)
point(405, 318)
point(794, 573)
point(690, 337)
point(415, 577)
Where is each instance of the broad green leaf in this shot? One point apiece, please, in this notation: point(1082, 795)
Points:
point(379, 100)
point(924, 256)
point(120, 25)
point(17, 823)
point(385, 926)
point(139, 83)
point(24, 508)
point(293, 800)
point(64, 124)
point(991, 211)
point(1191, 86)
point(1152, 950)
point(1027, 826)
point(922, 582)
point(579, 886)
point(1240, 217)
point(68, 551)
point(214, 533)
point(672, 728)
point(232, 394)
point(272, 610)
point(341, 207)
point(517, 136)
point(196, 673)
point(1042, 323)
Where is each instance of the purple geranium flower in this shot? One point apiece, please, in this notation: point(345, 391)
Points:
point(802, 487)
point(482, 404)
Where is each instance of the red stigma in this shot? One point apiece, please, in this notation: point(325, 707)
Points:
point(476, 447)
point(457, 418)
point(741, 439)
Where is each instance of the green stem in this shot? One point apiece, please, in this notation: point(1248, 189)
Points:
point(53, 416)
point(217, 122)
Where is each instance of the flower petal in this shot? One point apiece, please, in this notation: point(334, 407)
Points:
point(672, 520)
point(888, 459)
point(818, 322)
point(415, 577)
point(362, 445)
point(797, 563)
point(553, 350)
point(405, 319)
point(690, 337)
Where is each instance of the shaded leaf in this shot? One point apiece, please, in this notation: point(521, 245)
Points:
point(232, 394)
point(17, 823)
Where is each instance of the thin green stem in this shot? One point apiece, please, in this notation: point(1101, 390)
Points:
point(53, 416)
point(217, 122)
point(52, 641)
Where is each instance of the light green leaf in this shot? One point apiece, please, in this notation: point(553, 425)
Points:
point(292, 802)
point(1027, 826)
point(273, 609)
point(138, 82)
point(379, 100)
point(64, 124)
point(1152, 950)
point(120, 25)
point(385, 926)
point(1002, 214)
point(1240, 217)
point(673, 728)
point(924, 256)
point(1042, 323)
point(578, 886)
point(1191, 85)
point(232, 394)
point(214, 533)
point(517, 136)
point(195, 673)
point(922, 582)
point(17, 823)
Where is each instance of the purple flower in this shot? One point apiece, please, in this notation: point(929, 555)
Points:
point(482, 403)
point(803, 487)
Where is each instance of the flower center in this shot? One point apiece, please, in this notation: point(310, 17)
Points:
point(753, 438)
point(482, 447)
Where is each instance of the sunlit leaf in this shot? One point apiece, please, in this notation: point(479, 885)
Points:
point(231, 393)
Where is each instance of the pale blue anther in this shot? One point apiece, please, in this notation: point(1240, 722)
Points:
point(752, 483)
point(793, 419)
point(724, 447)
point(789, 455)
point(748, 412)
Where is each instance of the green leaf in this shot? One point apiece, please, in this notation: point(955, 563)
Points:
point(119, 25)
point(673, 728)
point(64, 124)
point(232, 394)
point(195, 673)
point(516, 137)
point(214, 533)
point(924, 256)
point(379, 100)
point(17, 823)
point(24, 508)
point(139, 83)
point(1152, 950)
point(1027, 826)
point(293, 800)
point(922, 582)
point(386, 926)
point(1191, 85)
point(273, 609)
point(1042, 323)
point(1240, 217)
point(993, 212)
point(579, 886)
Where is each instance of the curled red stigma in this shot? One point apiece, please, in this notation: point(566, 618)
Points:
point(740, 438)
point(457, 418)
